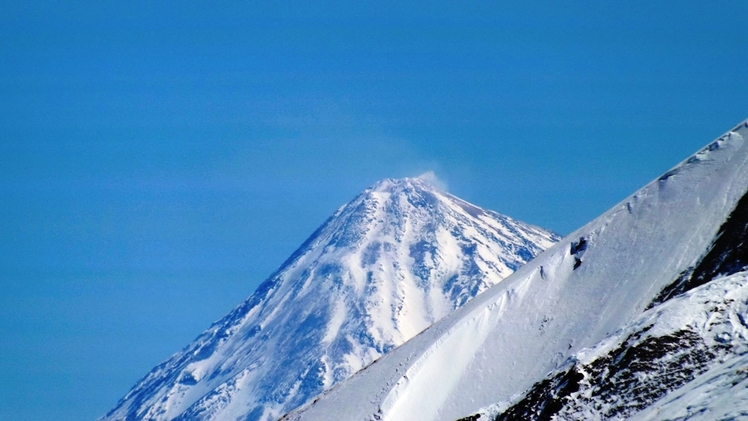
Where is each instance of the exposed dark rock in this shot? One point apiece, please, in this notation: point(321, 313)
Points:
point(728, 254)
point(545, 399)
point(623, 382)
point(474, 417)
point(578, 246)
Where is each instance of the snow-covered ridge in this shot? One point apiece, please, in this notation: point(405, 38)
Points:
point(569, 298)
point(656, 367)
point(657, 360)
point(385, 266)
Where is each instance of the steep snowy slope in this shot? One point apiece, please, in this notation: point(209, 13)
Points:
point(684, 359)
point(644, 251)
point(397, 258)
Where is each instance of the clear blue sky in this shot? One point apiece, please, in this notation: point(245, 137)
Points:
point(159, 160)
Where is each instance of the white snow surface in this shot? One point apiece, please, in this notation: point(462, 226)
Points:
point(384, 267)
point(701, 376)
point(719, 312)
point(569, 298)
point(719, 394)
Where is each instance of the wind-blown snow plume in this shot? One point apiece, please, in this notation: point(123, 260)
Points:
point(385, 266)
point(430, 178)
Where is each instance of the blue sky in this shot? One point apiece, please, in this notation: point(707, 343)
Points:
point(159, 160)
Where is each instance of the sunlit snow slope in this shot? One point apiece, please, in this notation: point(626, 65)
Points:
point(670, 238)
point(684, 359)
point(397, 258)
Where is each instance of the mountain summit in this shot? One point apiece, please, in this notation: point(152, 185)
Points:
point(397, 258)
point(640, 314)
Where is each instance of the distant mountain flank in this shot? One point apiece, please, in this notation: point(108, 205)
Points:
point(642, 314)
point(397, 258)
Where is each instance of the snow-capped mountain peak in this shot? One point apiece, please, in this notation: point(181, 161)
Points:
point(675, 243)
point(398, 257)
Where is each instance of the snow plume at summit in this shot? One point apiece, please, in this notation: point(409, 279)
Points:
point(387, 265)
point(431, 178)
